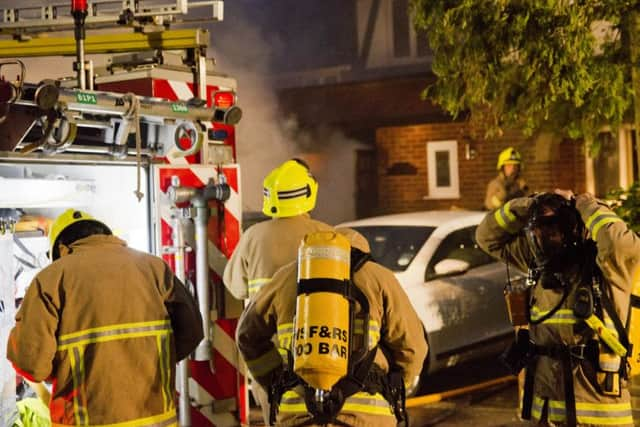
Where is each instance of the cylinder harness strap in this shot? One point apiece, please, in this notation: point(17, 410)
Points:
point(363, 374)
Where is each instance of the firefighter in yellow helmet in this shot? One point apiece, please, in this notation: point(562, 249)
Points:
point(396, 345)
point(105, 325)
point(290, 193)
point(508, 184)
point(580, 258)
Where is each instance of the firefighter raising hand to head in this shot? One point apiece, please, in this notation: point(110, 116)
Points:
point(580, 259)
point(508, 184)
point(105, 324)
point(323, 372)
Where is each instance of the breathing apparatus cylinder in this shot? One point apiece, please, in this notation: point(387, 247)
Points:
point(634, 325)
point(321, 325)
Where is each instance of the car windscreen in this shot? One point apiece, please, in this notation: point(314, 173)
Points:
point(395, 246)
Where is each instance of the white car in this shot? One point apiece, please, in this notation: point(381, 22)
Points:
point(455, 287)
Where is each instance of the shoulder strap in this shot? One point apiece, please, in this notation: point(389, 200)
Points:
point(358, 259)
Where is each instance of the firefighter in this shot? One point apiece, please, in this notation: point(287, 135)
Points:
point(289, 194)
point(580, 259)
point(105, 325)
point(508, 184)
point(395, 339)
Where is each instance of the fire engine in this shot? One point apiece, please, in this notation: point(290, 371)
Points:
point(145, 143)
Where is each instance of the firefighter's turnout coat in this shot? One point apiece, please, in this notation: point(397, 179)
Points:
point(263, 249)
point(392, 321)
point(501, 190)
point(106, 324)
point(618, 251)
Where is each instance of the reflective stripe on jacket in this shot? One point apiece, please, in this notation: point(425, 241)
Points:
point(264, 248)
point(618, 256)
point(106, 325)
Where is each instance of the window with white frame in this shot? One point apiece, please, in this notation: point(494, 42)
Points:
point(616, 164)
point(442, 170)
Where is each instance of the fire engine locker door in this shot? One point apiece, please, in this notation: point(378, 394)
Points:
point(105, 190)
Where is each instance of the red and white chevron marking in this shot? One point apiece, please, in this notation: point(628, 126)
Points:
point(217, 395)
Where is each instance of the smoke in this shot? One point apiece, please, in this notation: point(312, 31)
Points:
point(262, 141)
point(332, 159)
point(265, 137)
point(244, 50)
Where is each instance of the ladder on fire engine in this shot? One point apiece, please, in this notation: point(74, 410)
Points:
point(150, 20)
point(24, 20)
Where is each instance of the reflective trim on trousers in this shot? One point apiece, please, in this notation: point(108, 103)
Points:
point(362, 402)
point(610, 414)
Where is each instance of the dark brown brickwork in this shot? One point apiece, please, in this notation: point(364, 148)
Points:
point(389, 114)
point(549, 163)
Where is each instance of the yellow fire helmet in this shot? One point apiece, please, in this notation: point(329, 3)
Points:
point(289, 190)
point(509, 156)
point(67, 218)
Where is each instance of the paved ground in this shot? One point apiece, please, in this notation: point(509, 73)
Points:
point(494, 407)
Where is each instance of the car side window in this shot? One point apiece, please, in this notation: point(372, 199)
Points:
point(460, 245)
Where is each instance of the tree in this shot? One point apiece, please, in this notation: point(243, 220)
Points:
point(562, 65)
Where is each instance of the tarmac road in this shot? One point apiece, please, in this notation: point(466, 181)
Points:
point(496, 406)
point(493, 407)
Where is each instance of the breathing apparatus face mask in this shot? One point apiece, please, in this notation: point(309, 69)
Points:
point(555, 235)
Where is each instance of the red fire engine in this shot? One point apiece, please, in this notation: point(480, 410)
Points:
point(145, 143)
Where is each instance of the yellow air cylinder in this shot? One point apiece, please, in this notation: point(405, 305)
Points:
point(634, 325)
point(321, 337)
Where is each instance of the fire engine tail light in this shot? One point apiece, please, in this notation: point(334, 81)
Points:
point(224, 99)
point(78, 6)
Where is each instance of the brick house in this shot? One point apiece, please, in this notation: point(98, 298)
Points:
point(416, 157)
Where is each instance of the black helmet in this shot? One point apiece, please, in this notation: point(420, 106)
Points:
point(554, 230)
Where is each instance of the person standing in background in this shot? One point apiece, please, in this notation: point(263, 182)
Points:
point(508, 184)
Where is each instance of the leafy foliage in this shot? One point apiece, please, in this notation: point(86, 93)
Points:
point(561, 65)
point(626, 204)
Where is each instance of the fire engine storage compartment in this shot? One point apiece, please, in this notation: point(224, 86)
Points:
point(106, 191)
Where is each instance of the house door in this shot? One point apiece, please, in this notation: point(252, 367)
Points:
point(366, 183)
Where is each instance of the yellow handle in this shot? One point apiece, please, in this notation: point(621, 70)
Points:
point(606, 335)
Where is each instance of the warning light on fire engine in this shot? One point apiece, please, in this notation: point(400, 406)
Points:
point(78, 6)
point(224, 99)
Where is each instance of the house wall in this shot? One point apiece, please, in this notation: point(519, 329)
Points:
point(548, 163)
